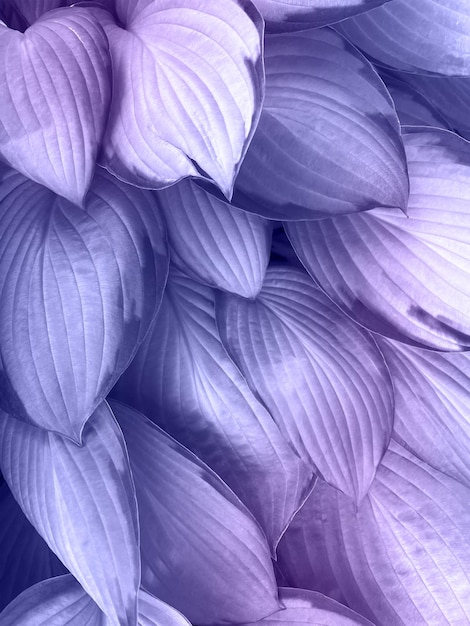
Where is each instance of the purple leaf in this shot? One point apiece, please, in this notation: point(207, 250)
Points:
point(449, 95)
point(284, 16)
point(63, 602)
point(81, 500)
point(31, 10)
point(54, 103)
point(202, 551)
point(328, 141)
point(189, 83)
point(405, 277)
point(313, 609)
point(403, 558)
point(26, 559)
point(415, 35)
point(79, 290)
point(214, 242)
point(432, 405)
point(412, 108)
point(183, 379)
point(321, 376)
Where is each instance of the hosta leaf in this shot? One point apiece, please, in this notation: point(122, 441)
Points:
point(412, 108)
point(54, 100)
point(188, 80)
point(183, 379)
point(449, 95)
point(215, 242)
point(321, 376)
point(31, 10)
point(26, 559)
point(202, 551)
point(313, 609)
point(406, 277)
point(328, 140)
point(62, 601)
point(403, 558)
point(81, 500)
point(432, 405)
point(415, 35)
point(78, 291)
point(282, 15)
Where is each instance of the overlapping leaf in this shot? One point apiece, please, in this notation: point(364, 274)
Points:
point(449, 95)
point(29, 11)
point(312, 608)
point(406, 277)
point(328, 140)
point(215, 242)
point(415, 35)
point(62, 601)
point(432, 405)
point(321, 376)
point(412, 108)
point(183, 379)
point(282, 15)
point(78, 291)
point(55, 97)
point(202, 551)
point(81, 500)
point(402, 558)
point(26, 559)
point(188, 87)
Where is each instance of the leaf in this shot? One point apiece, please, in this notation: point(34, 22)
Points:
point(403, 558)
point(322, 377)
point(62, 601)
point(283, 16)
point(449, 95)
point(189, 83)
point(202, 551)
point(183, 379)
point(28, 11)
point(432, 405)
point(54, 106)
point(312, 608)
point(214, 242)
point(58, 601)
point(328, 140)
point(412, 108)
point(78, 291)
point(415, 35)
point(26, 559)
point(81, 500)
point(405, 277)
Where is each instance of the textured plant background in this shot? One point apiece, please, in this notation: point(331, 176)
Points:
point(234, 312)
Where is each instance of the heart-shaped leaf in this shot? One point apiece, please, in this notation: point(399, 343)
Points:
point(202, 551)
point(192, 106)
point(284, 16)
point(81, 500)
point(78, 292)
point(26, 558)
point(54, 100)
point(415, 35)
point(183, 379)
point(214, 242)
point(403, 558)
point(328, 141)
point(321, 376)
point(404, 276)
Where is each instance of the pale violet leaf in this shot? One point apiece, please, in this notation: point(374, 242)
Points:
point(321, 376)
point(81, 500)
point(78, 292)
